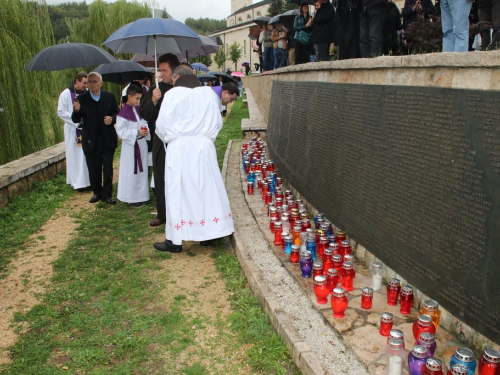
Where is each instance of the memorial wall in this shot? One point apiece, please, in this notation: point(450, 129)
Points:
point(411, 173)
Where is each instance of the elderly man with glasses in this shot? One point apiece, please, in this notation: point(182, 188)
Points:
point(97, 110)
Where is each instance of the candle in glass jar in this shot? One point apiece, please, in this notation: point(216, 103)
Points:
point(417, 359)
point(348, 275)
point(319, 215)
point(366, 298)
point(277, 233)
point(431, 308)
point(294, 254)
point(345, 248)
point(283, 235)
point(288, 244)
point(279, 202)
point(337, 263)
point(376, 269)
point(433, 366)
point(321, 289)
point(334, 247)
point(327, 259)
point(386, 320)
point(250, 188)
point(423, 324)
point(305, 263)
point(406, 299)
point(396, 357)
point(332, 278)
point(339, 303)
point(393, 289)
point(311, 247)
point(396, 334)
point(464, 356)
point(322, 244)
point(428, 340)
point(317, 268)
point(340, 236)
point(489, 363)
point(305, 224)
point(296, 235)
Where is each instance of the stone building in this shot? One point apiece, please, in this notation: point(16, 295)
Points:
point(238, 23)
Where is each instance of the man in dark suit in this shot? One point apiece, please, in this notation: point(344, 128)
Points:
point(150, 107)
point(98, 109)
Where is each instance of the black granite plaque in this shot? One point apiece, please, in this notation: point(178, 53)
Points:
point(411, 173)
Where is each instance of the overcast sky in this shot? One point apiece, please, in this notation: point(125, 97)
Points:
point(180, 10)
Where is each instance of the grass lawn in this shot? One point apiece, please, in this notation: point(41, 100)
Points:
point(102, 312)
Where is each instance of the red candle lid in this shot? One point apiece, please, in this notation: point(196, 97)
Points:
point(295, 248)
point(427, 338)
point(459, 369)
point(394, 282)
point(345, 243)
point(332, 272)
point(320, 280)
point(492, 355)
point(339, 292)
point(277, 225)
point(386, 317)
point(317, 265)
point(407, 290)
point(420, 351)
point(348, 257)
point(328, 252)
point(337, 258)
point(424, 320)
point(334, 246)
point(348, 266)
point(367, 292)
point(434, 364)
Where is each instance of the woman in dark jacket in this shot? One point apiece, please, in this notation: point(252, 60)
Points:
point(392, 25)
point(302, 50)
point(323, 29)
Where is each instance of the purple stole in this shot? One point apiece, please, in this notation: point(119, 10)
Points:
point(128, 114)
point(217, 90)
point(79, 130)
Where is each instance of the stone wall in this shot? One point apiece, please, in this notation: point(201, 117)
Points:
point(478, 71)
point(18, 176)
point(473, 70)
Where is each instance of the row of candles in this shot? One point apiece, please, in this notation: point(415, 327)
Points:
point(327, 257)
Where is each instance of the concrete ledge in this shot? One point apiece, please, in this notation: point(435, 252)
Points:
point(18, 176)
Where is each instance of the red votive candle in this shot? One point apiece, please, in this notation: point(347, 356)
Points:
point(321, 289)
point(406, 299)
point(366, 298)
point(386, 320)
point(393, 289)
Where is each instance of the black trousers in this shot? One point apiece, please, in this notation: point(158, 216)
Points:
point(302, 53)
point(490, 13)
point(347, 32)
point(158, 154)
point(371, 30)
point(322, 51)
point(100, 165)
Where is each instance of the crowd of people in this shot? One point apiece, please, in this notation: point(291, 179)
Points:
point(347, 29)
point(159, 128)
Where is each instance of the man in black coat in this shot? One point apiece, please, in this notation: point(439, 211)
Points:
point(371, 27)
point(150, 107)
point(323, 29)
point(98, 109)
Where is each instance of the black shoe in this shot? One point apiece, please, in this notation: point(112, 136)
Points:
point(167, 245)
point(110, 201)
point(138, 204)
point(94, 199)
point(209, 242)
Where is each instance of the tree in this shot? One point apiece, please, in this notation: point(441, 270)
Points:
point(165, 14)
point(280, 6)
point(220, 57)
point(207, 60)
point(235, 52)
point(205, 26)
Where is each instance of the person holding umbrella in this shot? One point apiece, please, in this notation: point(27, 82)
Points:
point(150, 107)
point(97, 110)
point(77, 173)
point(302, 46)
point(323, 29)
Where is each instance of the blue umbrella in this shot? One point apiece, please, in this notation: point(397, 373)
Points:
point(200, 67)
point(153, 36)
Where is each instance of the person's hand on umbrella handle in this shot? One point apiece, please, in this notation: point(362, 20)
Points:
point(156, 95)
point(76, 106)
point(108, 120)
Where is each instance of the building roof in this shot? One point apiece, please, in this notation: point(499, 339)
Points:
point(233, 27)
point(248, 7)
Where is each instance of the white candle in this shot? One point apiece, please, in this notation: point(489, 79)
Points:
point(376, 282)
point(395, 365)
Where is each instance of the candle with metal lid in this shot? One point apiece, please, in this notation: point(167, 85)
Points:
point(386, 320)
point(464, 356)
point(458, 369)
point(306, 263)
point(341, 236)
point(337, 263)
point(417, 359)
point(396, 357)
point(311, 247)
point(288, 244)
point(339, 302)
point(345, 249)
point(433, 366)
point(294, 254)
point(334, 246)
point(377, 271)
point(366, 298)
point(321, 289)
point(393, 289)
point(428, 340)
point(423, 324)
point(296, 235)
point(327, 259)
point(489, 363)
point(317, 268)
point(332, 278)
point(277, 233)
point(348, 275)
point(406, 299)
point(396, 334)
point(431, 308)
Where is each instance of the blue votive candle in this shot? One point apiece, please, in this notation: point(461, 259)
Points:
point(464, 356)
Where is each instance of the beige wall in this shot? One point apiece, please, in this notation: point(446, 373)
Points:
point(471, 70)
point(240, 36)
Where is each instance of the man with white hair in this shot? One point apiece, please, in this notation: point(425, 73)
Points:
point(97, 110)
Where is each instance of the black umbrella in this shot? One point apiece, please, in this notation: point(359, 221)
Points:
point(68, 56)
point(288, 18)
point(225, 77)
point(262, 20)
point(207, 77)
point(122, 71)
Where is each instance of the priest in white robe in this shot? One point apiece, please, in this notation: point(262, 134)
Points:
point(196, 199)
point(77, 173)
